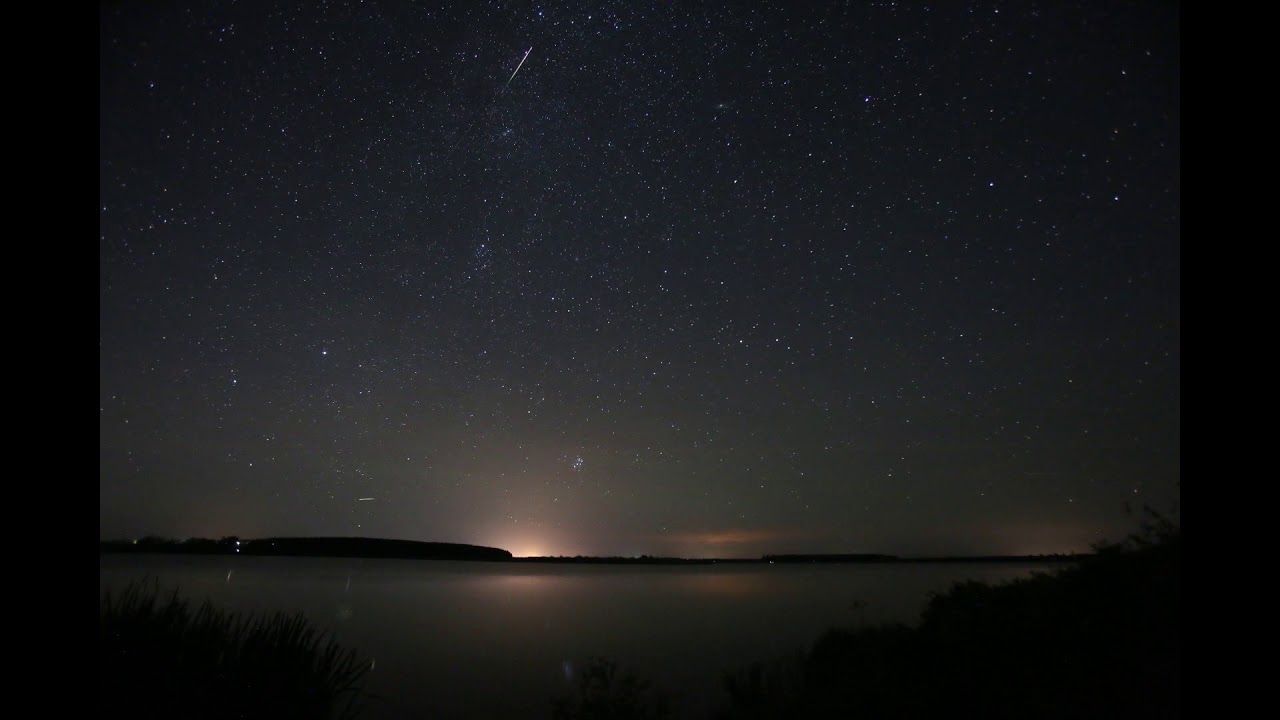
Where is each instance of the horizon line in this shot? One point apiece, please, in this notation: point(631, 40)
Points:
point(579, 556)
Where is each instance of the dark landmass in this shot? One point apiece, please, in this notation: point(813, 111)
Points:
point(374, 548)
point(313, 547)
point(412, 549)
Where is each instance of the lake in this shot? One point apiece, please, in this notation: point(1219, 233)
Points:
point(499, 640)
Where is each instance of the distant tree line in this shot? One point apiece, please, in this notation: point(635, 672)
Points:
point(155, 543)
point(310, 546)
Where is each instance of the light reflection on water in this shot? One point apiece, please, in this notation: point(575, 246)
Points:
point(498, 640)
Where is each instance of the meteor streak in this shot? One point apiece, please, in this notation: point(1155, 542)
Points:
point(526, 57)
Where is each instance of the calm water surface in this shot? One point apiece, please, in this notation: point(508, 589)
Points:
point(498, 640)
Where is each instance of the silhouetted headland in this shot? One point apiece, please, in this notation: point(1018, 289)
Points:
point(313, 547)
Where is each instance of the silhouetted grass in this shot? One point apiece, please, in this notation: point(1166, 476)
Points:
point(604, 692)
point(161, 659)
point(1095, 640)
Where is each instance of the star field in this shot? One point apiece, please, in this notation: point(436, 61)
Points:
point(704, 281)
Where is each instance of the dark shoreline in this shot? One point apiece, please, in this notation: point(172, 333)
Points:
point(374, 548)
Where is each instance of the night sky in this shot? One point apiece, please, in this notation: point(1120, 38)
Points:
point(698, 279)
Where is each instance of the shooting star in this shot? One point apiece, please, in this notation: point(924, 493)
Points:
point(526, 57)
point(366, 498)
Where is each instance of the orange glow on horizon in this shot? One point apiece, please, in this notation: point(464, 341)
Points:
point(728, 537)
point(718, 542)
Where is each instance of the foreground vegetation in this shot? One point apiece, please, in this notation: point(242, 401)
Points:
point(161, 659)
point(1099, 639)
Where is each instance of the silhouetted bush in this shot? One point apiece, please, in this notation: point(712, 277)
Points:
point(605, 693)
point(160, 659)
point(1097, 639)
point(765, 690)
